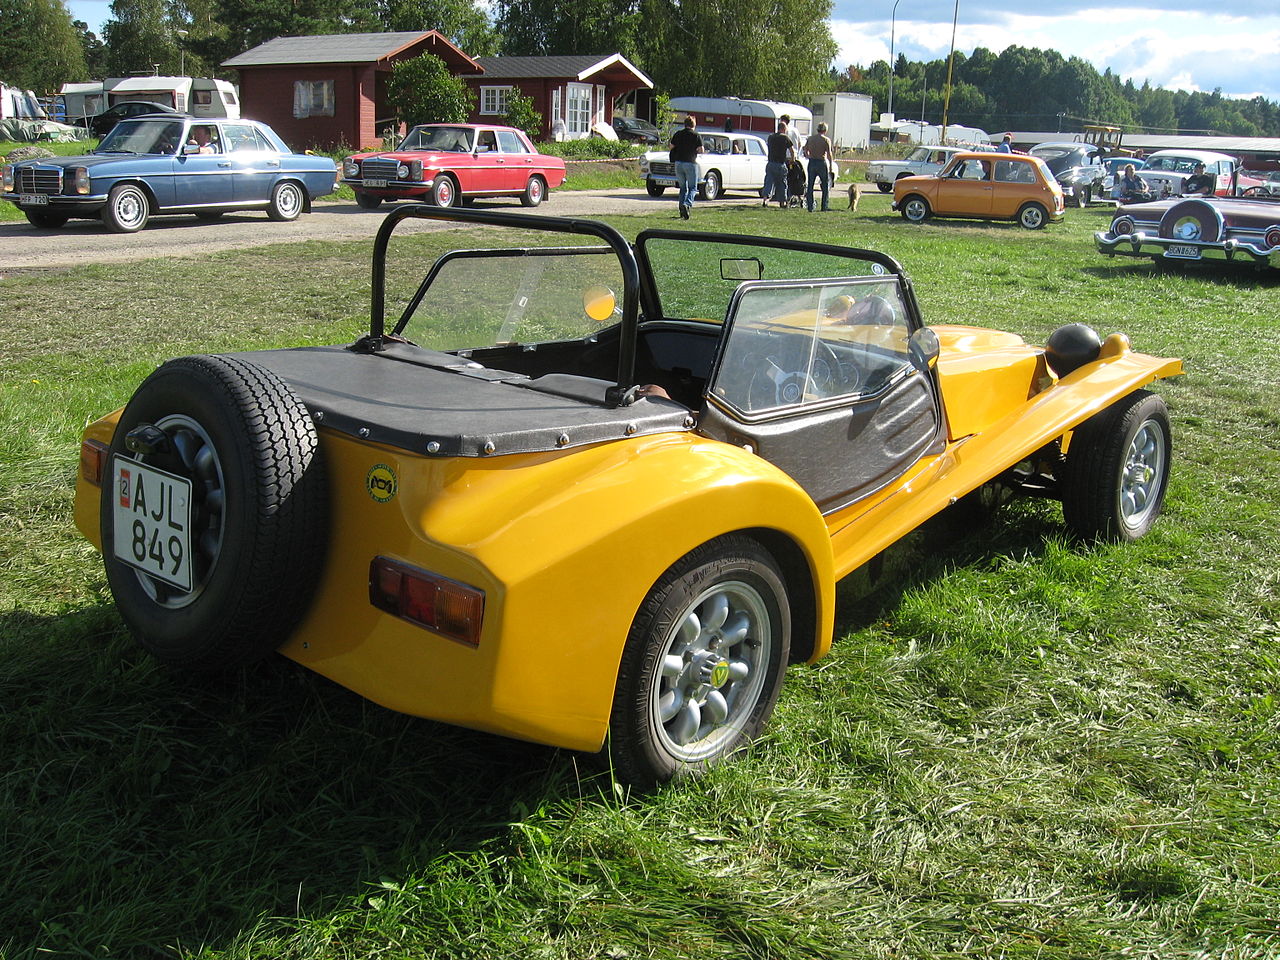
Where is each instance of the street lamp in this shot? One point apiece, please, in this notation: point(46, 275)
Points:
point(892, 63)
point(182, 53)
point(951, 59)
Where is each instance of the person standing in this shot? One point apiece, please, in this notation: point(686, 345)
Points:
point(1006, 144)
point(685, 147)
point(792, 133)
point(779, 150)
point(819, 151)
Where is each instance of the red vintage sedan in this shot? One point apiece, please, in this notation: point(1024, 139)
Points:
point(451, 163)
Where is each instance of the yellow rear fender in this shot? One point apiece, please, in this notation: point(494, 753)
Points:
point(565, 547)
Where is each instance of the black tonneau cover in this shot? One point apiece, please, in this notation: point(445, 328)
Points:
point(438, 404)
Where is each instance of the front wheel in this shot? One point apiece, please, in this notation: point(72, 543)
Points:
point(443, 192)
point(45, 219)
point(1085, 197)
point(1033, 216)
point(654, 189)
point(534, 192)
point(915, 209)
point(127, 209)
point(1117, 467)
point(287, 201)
point(885, 187)
point(710, 189)
point(367, 201)
point(703, 663)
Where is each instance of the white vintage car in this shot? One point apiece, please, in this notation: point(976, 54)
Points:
point(729, 161)
point(920, 161)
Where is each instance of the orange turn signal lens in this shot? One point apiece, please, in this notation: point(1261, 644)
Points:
point(445, 606)
point(93, 460)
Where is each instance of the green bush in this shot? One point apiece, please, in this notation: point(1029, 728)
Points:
point(520, 114)
point(592, 148)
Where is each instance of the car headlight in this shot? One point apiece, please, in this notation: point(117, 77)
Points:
point(350, 168)
point(415, 170)
point(80, 180)
point(7, 176)
point(402, 172)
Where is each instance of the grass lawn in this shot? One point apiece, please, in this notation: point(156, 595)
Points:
point(1021, 747)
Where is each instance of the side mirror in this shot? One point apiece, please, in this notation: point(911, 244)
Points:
point(925, 347)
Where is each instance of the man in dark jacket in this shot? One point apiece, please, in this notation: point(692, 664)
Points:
point(780, 152)
point(685, 147)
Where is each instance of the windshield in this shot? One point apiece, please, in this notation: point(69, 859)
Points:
point(490, 297)
point(439, 139)
point(1058, 159)
point(1172, 164)
point(143, 136)
point(919, 154)
point(696, 278)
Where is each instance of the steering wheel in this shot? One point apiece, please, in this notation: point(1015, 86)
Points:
point(1255, 191)
point(774, 385)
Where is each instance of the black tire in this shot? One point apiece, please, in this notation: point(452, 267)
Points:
point(535, 191)
point(654, 189)
point(1085, 196)
point(367, 201)
point(127, 209)
point(46, 220)
point(915, 209)
point(288, 200)
point(712, 638)
point(259, 512)
point(710, 187)
point(1117, 468)
point(884, 187)
point(1033, 216)
point(444, 192)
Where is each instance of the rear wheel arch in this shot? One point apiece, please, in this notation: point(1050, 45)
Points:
point(799, 580)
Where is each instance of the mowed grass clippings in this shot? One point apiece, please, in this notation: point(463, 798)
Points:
point(1021, 746)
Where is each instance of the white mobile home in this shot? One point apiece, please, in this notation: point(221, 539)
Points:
point(847, 116)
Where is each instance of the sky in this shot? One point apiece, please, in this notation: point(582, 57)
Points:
point(1193, 45)
point(1178, 44)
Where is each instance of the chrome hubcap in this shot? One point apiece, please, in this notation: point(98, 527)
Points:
point(712, 672)
point(193, 456)
point(1143, 469)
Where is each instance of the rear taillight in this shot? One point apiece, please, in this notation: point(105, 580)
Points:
point(1272, 236)
point(1122, 227)
point(93, 461)
point(446, 606)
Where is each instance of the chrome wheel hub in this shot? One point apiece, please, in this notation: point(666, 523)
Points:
point(712, 672)
point(1143, 469)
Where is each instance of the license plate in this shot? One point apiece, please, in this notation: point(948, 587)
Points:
point(151, 514)
point(33, 200)
point(1183, 252)
point(369, 182)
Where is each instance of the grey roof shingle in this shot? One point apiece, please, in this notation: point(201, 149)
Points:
point(331, 48)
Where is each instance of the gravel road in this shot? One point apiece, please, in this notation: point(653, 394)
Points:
point(23, 247)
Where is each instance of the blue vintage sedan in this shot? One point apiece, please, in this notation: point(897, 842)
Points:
point(165, 164)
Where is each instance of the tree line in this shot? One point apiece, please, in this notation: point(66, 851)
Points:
point(1025, 88)
point(772, 49)
point(688, 47)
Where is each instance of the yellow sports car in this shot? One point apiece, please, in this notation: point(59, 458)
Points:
point(587, 492)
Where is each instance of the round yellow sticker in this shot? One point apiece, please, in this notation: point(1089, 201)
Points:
point(381, 482)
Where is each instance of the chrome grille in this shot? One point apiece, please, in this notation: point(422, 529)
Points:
point(380, 169)
point(37, 180)
point(662, 168)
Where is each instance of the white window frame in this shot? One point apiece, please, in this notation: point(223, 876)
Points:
point(577, 110)
point(494, 100)
point(313, 98)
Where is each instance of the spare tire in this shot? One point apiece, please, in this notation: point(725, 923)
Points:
point(258, 518)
